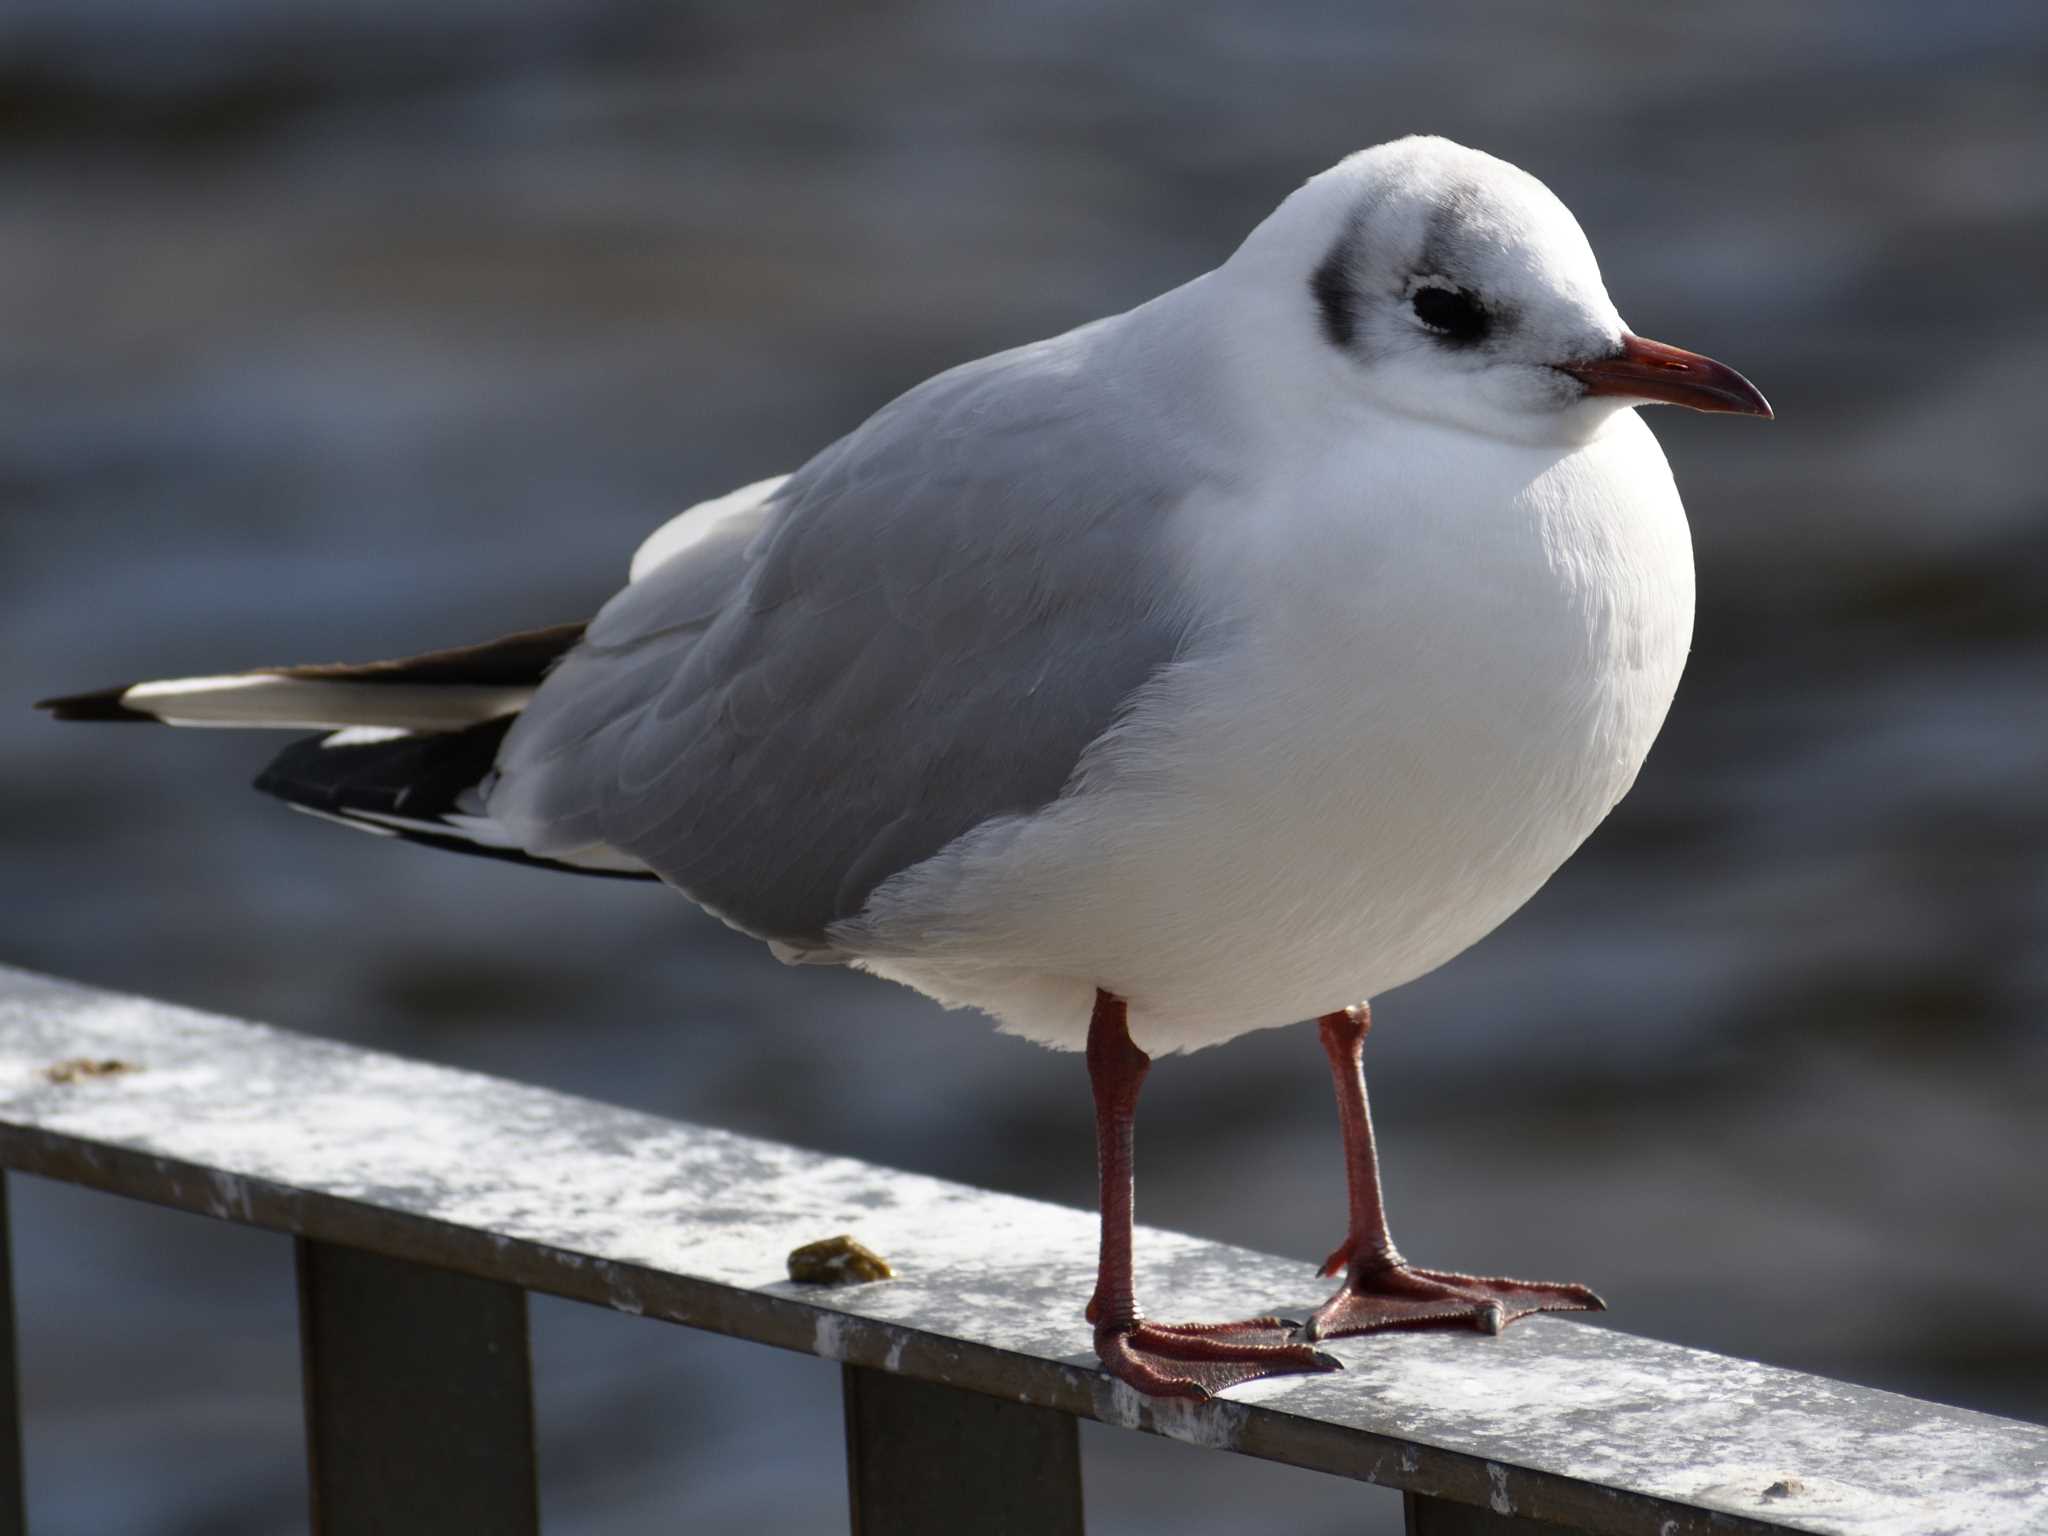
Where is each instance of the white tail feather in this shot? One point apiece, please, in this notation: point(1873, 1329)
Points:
point(271, 700)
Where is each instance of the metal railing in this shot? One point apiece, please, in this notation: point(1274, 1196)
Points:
point(426, 1202)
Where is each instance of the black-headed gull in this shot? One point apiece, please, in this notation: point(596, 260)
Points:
point(1210, 667)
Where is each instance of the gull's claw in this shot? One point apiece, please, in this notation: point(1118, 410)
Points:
point(1198, 1360)
point(1398, 1295)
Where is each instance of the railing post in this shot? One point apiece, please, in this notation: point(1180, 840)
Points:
point(419, 1398)
point(13, 1494)
point(927, 1460)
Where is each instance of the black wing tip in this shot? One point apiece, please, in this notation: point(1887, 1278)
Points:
point(453, 844)
point(104, 704)
point(420, 777)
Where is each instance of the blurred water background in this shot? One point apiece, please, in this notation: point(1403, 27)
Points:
point(337, 331)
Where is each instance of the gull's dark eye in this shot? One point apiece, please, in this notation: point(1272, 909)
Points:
point(1452, 313)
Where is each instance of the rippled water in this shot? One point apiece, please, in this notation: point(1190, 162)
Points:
point(343, 333)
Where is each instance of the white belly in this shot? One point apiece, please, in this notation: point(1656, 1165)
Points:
point(1396, 722)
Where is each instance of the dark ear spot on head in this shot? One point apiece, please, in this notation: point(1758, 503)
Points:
point(1335, 295)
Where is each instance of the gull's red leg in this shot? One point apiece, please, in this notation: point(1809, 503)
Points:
point(1381, 1289)
point(1166, 1360)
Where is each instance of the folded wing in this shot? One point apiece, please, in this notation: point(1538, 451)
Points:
point(826, 683)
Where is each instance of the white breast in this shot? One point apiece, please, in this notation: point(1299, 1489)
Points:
point(1422, 680)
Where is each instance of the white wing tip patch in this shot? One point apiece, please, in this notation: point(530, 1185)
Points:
point(366, 735)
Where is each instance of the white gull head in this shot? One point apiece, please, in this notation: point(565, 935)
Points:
point(1432, 280)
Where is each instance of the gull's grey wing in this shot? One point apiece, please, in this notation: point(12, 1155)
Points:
point(921, 629)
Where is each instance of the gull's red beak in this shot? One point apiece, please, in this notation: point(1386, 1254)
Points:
point(1649, 370)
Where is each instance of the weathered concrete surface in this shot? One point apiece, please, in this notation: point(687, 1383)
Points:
point(1552, 1419)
